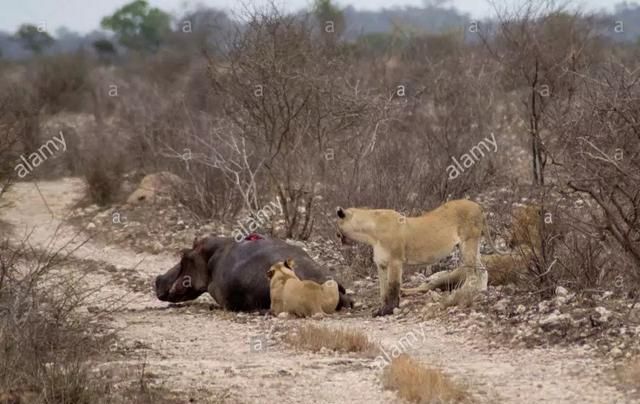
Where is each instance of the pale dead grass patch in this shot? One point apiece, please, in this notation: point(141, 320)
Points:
point(314, 337)
point(463, 298)
point(629, 372)
point(421, 384)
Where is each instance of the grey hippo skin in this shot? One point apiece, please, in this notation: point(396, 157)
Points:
point(235, 273)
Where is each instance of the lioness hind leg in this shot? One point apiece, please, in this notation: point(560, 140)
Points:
point(470, 252)
point(447, 280)
point(425, 287)
point(316, 311)
point(475, 275)
point(444, 280)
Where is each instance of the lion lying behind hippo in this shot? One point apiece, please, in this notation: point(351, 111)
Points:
point(235, 273)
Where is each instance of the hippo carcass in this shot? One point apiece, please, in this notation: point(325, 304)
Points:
point(235, 273)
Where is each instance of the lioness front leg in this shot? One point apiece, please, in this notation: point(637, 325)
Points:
point(383, 280)
point(391, 299)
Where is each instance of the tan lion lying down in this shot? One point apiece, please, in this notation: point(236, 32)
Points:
point(302, 298)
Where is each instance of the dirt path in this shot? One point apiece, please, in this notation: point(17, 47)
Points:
point(197, 351)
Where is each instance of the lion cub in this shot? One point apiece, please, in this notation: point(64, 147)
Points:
point(303, 298)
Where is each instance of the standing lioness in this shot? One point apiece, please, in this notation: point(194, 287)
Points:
point(397, 240)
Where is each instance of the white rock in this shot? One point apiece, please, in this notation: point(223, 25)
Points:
point(560, 291)
point(553, 319)
point(91, 225)
point(434, 296)
point(604, 314)
point(616, 352)
point(521, 309)
point(295, 243)
point(544, 306)
point(284, 314)
point(157, 247)
point(501, 305)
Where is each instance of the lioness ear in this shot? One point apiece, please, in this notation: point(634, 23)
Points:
point(289, 263)
point(340, 213)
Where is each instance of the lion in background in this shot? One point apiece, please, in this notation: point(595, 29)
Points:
point(302, 298)
point(426, 239)
point(525, 239)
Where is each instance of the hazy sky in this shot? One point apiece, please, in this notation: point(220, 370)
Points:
point(84, 15)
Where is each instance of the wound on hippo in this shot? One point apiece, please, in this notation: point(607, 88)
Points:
point(253, 237)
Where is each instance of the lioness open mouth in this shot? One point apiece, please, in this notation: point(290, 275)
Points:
point(344, 239)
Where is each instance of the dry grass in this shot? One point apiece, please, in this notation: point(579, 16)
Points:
point(49, 348)
point(463, 298)
point(629, 372)
point(419, 384)
point(313, 338)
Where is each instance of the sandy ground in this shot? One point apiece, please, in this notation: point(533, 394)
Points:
point(201, 353)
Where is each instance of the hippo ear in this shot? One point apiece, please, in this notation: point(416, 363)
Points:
point(289, 263)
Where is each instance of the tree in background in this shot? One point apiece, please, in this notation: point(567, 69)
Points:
point(104, 48)
point(33, 38)
point(330, 19)
point(138, 26)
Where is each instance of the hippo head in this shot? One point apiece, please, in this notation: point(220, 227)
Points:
point(189, 278)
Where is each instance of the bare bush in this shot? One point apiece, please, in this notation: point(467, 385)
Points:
point(602, 160)
point(285, 95)
point(541, 47)
point(45, 343)
point(103, 167)
point(9, 139)
point(61, 82)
